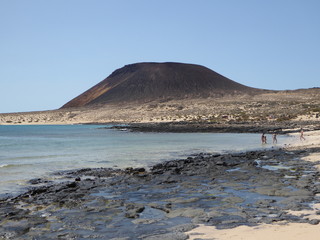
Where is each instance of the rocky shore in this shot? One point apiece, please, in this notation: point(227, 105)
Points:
point(169, 199)
point(230, 127)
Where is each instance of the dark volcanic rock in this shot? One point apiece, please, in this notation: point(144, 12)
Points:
point(149, 81)
point(203, 126)
point(224, 190)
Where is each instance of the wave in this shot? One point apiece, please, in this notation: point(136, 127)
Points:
point(42, 156)
point(5, 165)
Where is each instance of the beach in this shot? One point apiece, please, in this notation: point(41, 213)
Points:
point(35, 151)
point(206, 196)
point(292, 231)
point(280, 230)
point(158, 120)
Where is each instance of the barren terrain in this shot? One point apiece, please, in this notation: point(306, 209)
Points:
point(299, 106)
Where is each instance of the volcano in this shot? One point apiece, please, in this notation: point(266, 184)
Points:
point(143, 82)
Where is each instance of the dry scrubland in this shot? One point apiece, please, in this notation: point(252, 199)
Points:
point(299, 105)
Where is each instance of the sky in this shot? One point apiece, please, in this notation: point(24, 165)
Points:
point(52, 51)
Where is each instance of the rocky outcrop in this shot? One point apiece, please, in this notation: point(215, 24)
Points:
point(222, 190)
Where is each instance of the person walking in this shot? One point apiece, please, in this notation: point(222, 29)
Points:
point(274, 138)
point(302, 135)
point(263, 139)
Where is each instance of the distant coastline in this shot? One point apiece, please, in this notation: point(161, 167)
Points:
point(293, 109)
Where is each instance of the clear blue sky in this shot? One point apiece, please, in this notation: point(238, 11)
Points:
point(52, 51)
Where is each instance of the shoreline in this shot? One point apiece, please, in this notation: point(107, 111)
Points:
point(276, 230)
point(225, 149)
point(216, 184)
point(286, 127)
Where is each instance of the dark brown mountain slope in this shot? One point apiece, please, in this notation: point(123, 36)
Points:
point(150, 81)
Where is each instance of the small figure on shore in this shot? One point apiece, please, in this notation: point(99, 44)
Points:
point(302, 135)
point(274, 138)
point(263, 139)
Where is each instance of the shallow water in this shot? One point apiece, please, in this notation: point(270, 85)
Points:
point(28, 152)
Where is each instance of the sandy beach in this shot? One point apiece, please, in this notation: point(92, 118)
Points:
point(292, 231)
point(272, 193)
point(282, 230)
point(264, 194)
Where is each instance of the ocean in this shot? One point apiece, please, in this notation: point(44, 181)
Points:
point(37, 151)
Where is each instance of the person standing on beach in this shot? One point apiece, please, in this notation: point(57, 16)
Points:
point(274, 138)
point(263, 139)
point(301, 135)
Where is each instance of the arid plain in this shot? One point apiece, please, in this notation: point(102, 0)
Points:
point(300, 107)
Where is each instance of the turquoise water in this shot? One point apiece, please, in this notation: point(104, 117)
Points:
point(28, 152)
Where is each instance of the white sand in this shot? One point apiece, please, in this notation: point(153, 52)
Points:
point(291, 231)
point(283, 230)
point(312, 139)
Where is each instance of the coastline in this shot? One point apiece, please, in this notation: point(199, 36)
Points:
point(281, 229)
point(146, 200)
